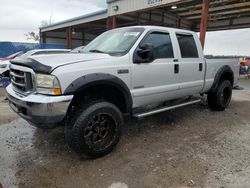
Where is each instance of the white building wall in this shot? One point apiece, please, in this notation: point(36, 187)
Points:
point(135, 5)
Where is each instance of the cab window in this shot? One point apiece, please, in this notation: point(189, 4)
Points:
point(162, 44)
point(187, 46)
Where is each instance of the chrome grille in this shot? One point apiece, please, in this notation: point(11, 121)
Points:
point(22, 81)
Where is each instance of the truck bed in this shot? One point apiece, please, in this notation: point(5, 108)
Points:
point(213, 64)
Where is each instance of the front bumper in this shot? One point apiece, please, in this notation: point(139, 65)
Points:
point(39, 109)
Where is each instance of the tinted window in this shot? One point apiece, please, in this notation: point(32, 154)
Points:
point(162, 44)
point(187, 46)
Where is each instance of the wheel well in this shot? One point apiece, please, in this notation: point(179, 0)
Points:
point(225, 73)
point(106, 92)
point(227, 76)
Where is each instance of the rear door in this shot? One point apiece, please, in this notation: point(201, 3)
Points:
point(191, 64)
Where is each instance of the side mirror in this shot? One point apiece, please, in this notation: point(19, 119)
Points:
point(144, 54)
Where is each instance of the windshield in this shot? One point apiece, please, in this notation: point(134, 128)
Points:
point(114, 42)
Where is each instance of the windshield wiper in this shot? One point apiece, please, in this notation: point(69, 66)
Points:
point(97, 51)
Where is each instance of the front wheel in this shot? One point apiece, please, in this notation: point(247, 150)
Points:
point(94, 129)
point(220, 99)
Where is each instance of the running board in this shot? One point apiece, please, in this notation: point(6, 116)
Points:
point(156, 111)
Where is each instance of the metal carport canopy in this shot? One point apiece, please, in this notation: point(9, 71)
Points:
point(196, 15)
point(223, 14)
point(88, 24)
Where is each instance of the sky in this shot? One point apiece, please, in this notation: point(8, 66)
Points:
point(21, 16)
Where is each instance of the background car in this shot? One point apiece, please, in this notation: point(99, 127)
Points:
point(4, 63)
point(12, 56)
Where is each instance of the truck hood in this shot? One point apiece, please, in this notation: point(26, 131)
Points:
point(47, 63)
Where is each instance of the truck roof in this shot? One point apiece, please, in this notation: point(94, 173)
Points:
point(152, 27)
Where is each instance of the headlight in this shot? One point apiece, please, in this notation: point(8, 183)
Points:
point(48, 84)
point(3, 66)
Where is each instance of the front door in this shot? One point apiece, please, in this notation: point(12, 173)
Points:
point(155, 81)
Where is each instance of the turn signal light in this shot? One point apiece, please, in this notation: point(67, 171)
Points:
point(57, 91)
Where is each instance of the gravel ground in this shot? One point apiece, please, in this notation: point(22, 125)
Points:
point(6, 114)
point(187, 147)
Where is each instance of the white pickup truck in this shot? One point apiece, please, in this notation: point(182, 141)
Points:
point(138, 71)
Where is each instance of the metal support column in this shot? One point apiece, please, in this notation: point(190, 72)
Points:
point(42, 37)
point(83, 38)
point(108, 23)
point(204, 20)
point(114, 24)
point(69, 37)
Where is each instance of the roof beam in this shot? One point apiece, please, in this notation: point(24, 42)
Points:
point(236, 23)
point(198, 5)
point(229, 8)
point(228, 13)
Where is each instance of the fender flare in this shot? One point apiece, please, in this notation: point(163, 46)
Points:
point(223, 70)
point(89, 80)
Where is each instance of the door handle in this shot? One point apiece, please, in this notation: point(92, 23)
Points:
point(200, 67)
point(176, 68)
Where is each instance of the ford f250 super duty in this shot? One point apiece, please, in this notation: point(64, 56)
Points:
point(137, 71)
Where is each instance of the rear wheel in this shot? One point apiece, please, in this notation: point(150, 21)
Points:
point(220, 99)
point(94, 129)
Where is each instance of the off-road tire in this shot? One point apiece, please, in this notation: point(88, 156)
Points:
point(220, 99)
point(84, 120)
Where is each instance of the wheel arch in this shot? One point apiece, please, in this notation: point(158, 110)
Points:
point(224, 73)
point(105, 86)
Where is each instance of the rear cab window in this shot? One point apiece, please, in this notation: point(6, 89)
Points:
point(187, 45)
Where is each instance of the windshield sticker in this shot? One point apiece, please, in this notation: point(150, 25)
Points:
point(132, 34)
